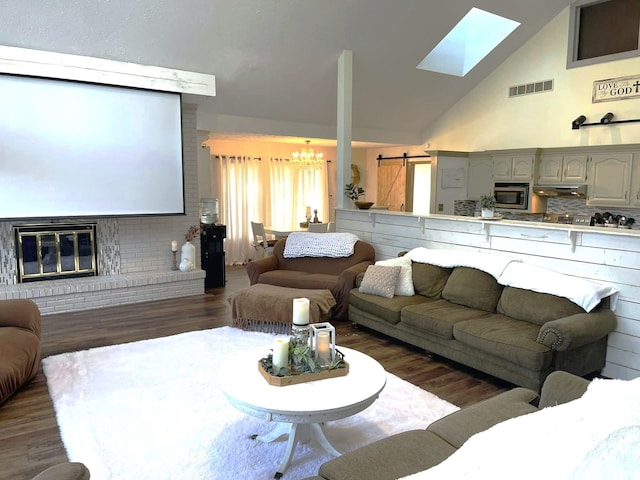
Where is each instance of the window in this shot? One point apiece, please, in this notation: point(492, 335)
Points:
point(603, 31)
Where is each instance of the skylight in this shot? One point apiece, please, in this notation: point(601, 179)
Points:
point(468, 43)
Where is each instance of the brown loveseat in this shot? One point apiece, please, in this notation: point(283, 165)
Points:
point(335, 274)
point(19, 344)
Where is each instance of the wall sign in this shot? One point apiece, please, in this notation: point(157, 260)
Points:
point(621, 88)
point(453, 177)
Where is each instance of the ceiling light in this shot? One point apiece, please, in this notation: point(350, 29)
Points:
point(306, 157)
point(472, 39)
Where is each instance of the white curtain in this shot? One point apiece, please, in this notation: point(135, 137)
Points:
point(273, 191)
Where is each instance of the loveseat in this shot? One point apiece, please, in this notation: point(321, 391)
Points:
point(568, 431)
point(491, 313)
point(19, 344)
point(315, 269)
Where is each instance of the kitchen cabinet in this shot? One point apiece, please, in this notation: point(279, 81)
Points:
point(609, 179)
point(480, 177)
point(518, 168)
point(634, 197)
point(562, 169)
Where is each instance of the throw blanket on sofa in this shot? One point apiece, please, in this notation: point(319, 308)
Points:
point(595, 436)
point(494, 265)
point(580, 291)
point(333, 245)
point(514, 273)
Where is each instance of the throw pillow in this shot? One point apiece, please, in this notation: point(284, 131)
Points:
point(380, 280)
point(404, 286)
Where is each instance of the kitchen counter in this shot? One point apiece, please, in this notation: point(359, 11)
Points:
point(505, 221)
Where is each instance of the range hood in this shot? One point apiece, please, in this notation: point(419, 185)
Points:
point(574, 191)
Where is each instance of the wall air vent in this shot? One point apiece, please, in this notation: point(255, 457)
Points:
point(526, 89)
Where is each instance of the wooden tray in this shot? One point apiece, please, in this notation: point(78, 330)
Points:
point(303, 377)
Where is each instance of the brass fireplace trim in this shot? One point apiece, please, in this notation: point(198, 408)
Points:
point(49, 237)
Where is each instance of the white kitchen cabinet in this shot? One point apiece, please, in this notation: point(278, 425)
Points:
point(609, 179)
point(634, 197)
point(480, 177)
point(517, 168)
point(562, 169)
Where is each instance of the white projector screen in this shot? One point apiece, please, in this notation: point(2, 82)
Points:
point(71, 149)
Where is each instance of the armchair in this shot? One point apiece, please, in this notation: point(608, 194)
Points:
point(335, 274)
point(19, 344)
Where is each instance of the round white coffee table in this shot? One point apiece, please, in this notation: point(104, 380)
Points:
point(302, 408)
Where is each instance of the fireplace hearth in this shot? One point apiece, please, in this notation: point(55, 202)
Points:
point(50, 252)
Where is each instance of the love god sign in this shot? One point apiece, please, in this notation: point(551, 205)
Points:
point(620, 88)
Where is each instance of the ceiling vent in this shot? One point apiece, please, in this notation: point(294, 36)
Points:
point(528, 88)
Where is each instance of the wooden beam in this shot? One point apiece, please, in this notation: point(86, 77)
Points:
point(41, 63)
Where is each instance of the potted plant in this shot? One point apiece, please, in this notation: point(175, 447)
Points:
point(487, 205)
point(354, 192)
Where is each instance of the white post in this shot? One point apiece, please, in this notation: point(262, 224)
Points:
point(344, 123)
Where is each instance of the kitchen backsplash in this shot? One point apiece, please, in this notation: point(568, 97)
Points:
point(573, 206)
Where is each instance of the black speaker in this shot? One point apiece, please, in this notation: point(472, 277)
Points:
point(212, 254)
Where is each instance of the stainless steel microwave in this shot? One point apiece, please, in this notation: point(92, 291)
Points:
point(514, 196)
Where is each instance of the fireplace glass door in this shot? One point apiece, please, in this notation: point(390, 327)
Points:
point(55, 252)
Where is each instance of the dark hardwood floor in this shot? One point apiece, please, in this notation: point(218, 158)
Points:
point(29, 436)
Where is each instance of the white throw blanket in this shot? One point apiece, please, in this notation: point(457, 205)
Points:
point(512, 272)
point(494, 265)
point(333, 245)
point(593, 437)
point(580, 291)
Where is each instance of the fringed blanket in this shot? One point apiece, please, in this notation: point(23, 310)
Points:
point(333, 245)
point(269, 308)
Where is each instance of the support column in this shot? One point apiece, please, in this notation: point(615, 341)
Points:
point(344, 123)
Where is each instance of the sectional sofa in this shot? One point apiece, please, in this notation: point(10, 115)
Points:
point(492, 313)
point(574, 430)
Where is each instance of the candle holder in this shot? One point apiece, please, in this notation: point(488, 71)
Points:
point(174, 266)
point(323, 343)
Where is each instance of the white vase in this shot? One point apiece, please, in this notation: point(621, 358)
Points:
point(487, 213)
point(188, 256)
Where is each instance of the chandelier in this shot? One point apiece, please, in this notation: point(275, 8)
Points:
point(306, 157)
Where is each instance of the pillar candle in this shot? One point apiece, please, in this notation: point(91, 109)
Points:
point(280, 354)
point(301, 311)
point(308, 212)
point(174, 246)
point(324, 347)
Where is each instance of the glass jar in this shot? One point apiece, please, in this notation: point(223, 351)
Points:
point(300, 335)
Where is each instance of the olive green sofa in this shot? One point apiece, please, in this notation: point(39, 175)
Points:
point(464, 314)
point(414, 451)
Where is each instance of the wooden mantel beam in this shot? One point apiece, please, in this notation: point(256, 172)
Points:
point(97, 70)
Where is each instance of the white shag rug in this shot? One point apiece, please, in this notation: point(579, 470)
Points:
point(153, 410)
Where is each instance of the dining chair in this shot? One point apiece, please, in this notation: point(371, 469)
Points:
point(318, 228)
point(331, 227)
point(262, 245)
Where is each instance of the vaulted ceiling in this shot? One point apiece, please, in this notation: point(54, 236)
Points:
point(277, 60)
